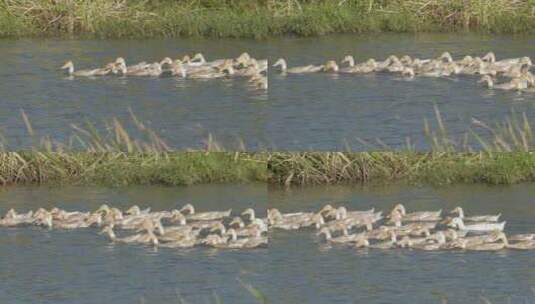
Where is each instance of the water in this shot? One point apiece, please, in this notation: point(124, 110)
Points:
point(305, 271)
point(307, 112)
point(326, 112)
point(182, 112)
point(81, 266)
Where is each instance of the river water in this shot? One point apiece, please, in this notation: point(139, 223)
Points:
point(305, 271)
point(182, 112)
point(335, 112)
point(40, 266)
point(81, 266)
point(299, 112)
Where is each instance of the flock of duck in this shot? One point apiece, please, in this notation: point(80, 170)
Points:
point(514, 70)
point(195, 67)
point(425, 230)
point(185, 228)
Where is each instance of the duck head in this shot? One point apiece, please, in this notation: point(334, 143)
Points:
point(198, 58)
point(330, 66)
point(189, 208)
point(282, 63)
point(349, 59)
point(69, 66)
point(249, 212)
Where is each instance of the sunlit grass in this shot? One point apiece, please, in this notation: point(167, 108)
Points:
point(259, 18)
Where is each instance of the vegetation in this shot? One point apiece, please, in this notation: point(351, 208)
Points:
point(258, 18)
point(499, 154)
point(430, 168)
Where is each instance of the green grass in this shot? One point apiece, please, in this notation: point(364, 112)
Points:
point(418, 168)
point(498, 154)
point(259, 18)
point(118, 169)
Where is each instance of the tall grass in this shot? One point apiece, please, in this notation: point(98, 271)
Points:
point(115, 157)
point(259, 18)
point(499, 154)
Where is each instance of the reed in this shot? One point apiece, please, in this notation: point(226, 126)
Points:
point(259, 18)
point(498, 154)
point(117, 157)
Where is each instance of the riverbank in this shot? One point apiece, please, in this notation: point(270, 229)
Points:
point(433, 168)
point(118, 168)
point(299, 168)
point(258, 19)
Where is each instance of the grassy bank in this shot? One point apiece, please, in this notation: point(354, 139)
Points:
point(258, 18)
point(117, 168)
point(384, 167)
point(492, 154)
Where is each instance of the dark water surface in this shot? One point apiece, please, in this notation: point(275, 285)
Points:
point(329, 112)
point(183, 112)
point(81, 266)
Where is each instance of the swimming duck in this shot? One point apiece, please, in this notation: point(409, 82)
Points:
point(514, 84)
point(69, 66)
point(146, 238)
point(152, 70)
point(330, 66)
point(479, 218)
point(480, 227)
point(420, 216)
point(349, 59)
point(522, 237)
point(520, 245)
point(136, 211)
point(343, 239)
point(204, 216)
point(392, 243)
point(485, 246)
point(297, 70)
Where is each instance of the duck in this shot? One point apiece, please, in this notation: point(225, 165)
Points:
point(204, 216)
point(152, 70)
point(389, 244)
point(146, 238)
point(515, 84)
point(188, 241)
point(237, 243)
point(330, 67)
point(520, 245)
point(69, 66)
point(343, 239)
point(478, 218)
point(431, 243)
point(485, 246)
point(419, 216)
point(211, 73)
point(261, 83)
point(297, 70)
point(522, 237)
point(478, 227)
point(350, 60)
point(136, 211)
point(476, 239)
point(77, 223)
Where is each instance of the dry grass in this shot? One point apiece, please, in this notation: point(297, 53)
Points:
point(259, 18)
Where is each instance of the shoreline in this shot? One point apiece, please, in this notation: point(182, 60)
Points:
point(258, 19)
point(270, 168)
